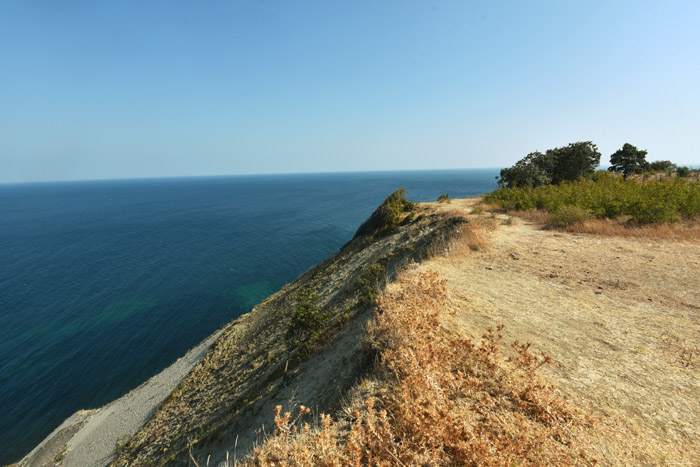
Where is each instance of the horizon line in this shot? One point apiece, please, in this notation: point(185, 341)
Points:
point(254, 174)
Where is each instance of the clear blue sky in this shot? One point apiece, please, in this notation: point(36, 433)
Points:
point(119, 89)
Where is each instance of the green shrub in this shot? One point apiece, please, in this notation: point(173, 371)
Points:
point(661, 166)
point(607, 196)
point(654, 206)
point(397, 204)
point(388, 216)
point(307, 322)
point(568, 216)
point(369, 283)
point(444, 198)
point(409, 218)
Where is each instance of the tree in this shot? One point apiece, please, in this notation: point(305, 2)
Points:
point(574, 161)
point(662, 166)
point(533, 170)
point(629, 160)
point(554, 166)
point(683, 171)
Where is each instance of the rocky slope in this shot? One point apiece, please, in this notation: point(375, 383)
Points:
point(220, 408)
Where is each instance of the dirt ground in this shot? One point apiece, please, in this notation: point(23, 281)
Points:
point(620, 318)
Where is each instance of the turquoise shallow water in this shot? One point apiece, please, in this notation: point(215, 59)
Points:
point(103, 284)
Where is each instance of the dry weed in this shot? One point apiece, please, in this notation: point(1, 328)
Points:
point(472, 235)
point(536, 216)
point(688, 231)
point(439, 398)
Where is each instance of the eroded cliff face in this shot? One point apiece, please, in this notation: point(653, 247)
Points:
point(226, 401)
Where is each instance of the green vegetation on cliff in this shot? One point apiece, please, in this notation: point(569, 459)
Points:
point(388, 216)
point(307, 322)
point(606, 196)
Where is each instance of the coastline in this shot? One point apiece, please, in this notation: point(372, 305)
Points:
point(90, 437)
point(265, 239)
point(623, 328)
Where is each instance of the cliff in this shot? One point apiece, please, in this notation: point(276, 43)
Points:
point(253, 367)
point(254, 363)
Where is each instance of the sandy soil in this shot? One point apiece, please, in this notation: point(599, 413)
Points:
point(89, 438)
point(620, 317)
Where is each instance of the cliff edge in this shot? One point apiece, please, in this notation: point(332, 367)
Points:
point(222, 393)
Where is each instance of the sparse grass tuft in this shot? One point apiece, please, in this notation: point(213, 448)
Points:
point(122, 445)
point(58, 460)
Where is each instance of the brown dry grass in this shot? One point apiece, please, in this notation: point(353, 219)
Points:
point(437, 398)
point(686, 231)
point(474, 234)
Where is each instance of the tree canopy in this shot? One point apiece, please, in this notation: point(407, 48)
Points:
point(535, 169)
point(554, 166)
point(659, 166)
point(629, 160)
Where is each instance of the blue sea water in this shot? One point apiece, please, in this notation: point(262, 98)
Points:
point(105, 283)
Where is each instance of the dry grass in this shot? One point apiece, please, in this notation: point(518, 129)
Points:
point(475, 230)
point(437, 398)
point(687, 231)
point(473, 235)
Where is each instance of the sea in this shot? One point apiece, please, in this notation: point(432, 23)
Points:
point(105, 283)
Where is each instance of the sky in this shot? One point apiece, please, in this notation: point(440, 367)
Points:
point(125, 89)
